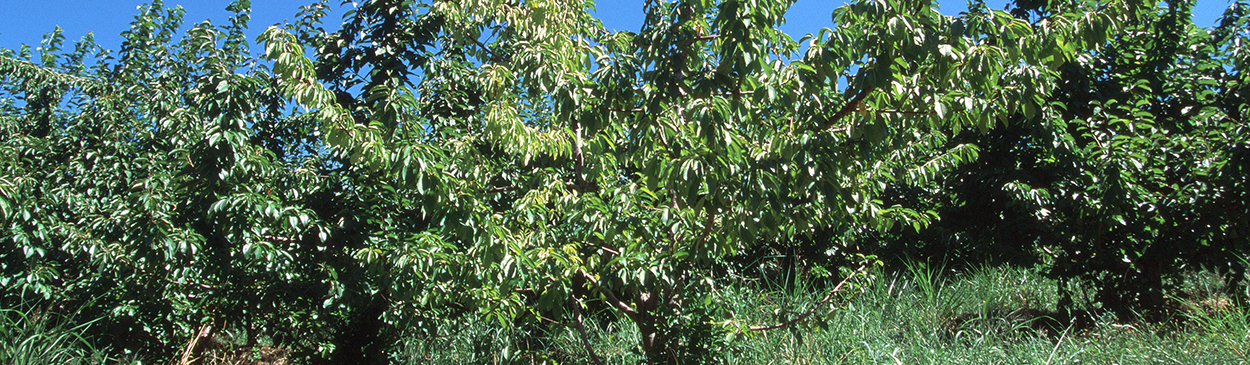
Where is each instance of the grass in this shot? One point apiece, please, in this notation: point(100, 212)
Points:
point(37, 337)
point(995, 316)
point(925, 315)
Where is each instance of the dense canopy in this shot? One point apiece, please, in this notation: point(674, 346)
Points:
point(513, 161)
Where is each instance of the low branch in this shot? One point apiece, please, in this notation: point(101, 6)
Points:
point(835, 290)
point(581, 328)
point(610, 297)
point(707, 230)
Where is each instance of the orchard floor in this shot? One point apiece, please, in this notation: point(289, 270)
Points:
point(991, 316)
point(994, 316)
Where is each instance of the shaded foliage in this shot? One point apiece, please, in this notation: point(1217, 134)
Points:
point(1132, 176)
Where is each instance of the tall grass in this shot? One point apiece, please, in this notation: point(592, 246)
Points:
point(37, 337)
point(926, 315)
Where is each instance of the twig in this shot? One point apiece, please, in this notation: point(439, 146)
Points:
point(277, 239)
point(609, 250)
point(551, 321)
point(699, 39)
point(835, 290)
point(896, 111)
point(502, 190)
point(579, 159)
point(493, 57)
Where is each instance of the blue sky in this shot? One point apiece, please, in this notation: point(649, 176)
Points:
point(26, 21)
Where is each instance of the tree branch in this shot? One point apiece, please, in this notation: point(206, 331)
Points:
point(846, 109)
point(581, 328)
point(896, 111)
point(611, 297)
point(707, 230)
point(700, 39)
point(835, 290)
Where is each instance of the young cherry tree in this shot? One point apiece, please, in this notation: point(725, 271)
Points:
point(568, 167)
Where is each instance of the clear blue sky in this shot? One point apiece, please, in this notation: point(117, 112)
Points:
point(25, 21)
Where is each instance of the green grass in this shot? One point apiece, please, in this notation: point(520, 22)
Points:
point(36, 337)
point(991, 317)
point(923, 316)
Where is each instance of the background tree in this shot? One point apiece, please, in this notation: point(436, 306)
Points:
point(1132, 176)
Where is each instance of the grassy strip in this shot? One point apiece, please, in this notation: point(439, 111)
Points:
point(991, 316)
point(923, 316)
